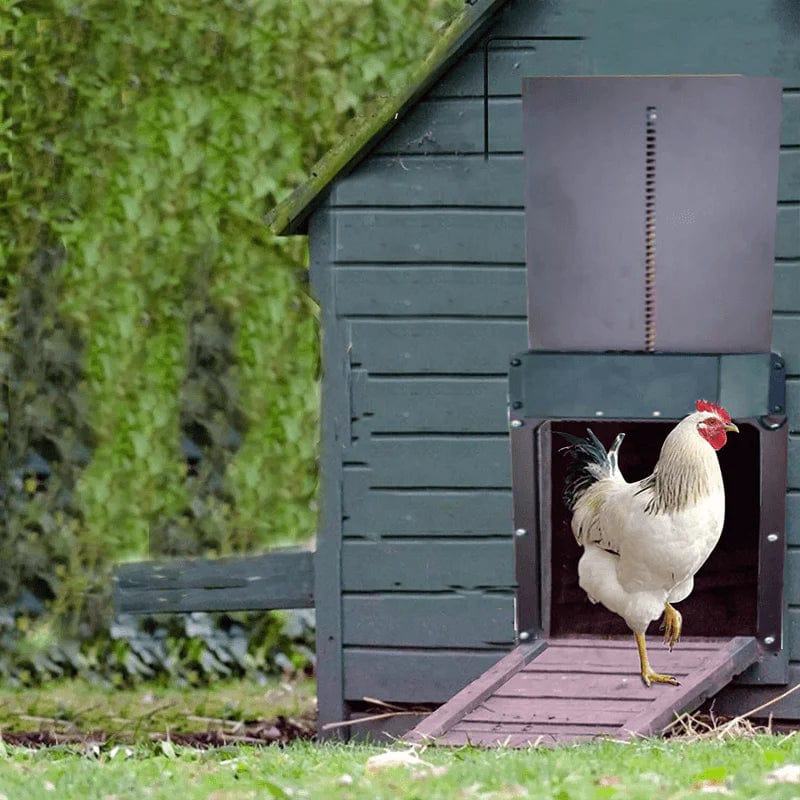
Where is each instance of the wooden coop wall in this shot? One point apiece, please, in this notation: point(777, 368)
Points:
point(418, 261)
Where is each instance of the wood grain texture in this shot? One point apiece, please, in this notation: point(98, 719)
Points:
point(521, 701)
point(475, 693)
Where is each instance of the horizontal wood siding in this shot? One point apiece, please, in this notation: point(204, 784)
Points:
point(372, 513)
point(457, 619)
point(455, 125)
point(463, 565)
point(413, 675)
point(429, 290)
point(470, 181)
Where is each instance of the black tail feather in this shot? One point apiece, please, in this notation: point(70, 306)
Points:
point(586, 454)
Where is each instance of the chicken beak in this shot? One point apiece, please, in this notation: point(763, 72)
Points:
point(731, 427)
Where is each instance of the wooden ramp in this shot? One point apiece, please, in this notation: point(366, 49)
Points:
point(557, 691)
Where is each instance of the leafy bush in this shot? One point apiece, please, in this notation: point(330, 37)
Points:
point(180, 650)
point(160, 352)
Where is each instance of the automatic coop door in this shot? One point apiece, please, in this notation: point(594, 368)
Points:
point(650, 212)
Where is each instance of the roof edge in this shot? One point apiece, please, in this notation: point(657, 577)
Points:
point(290, 216)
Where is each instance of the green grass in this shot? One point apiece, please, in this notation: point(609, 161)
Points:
point(647, 769)
point(78, 706)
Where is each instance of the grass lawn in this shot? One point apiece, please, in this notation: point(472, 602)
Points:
point(130, 764)
point(647, 769)
point(75, 708)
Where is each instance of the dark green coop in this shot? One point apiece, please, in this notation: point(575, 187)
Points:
point(417, 237)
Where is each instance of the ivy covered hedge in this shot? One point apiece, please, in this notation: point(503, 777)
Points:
point(158, 349)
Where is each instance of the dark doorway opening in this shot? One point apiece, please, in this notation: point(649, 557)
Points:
point(725, 598)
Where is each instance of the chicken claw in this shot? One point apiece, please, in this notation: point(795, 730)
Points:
point(672, 626)
point(648, 675)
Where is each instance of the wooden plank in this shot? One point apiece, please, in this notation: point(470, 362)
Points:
point(538, 728)
point(787, 286)
point(447, 126)
point(447, 346)
point(433, 566)
point(476, 620)
point(470, 180)
point(335, 415)
point(680, 37)
point(476, 236)
point(786, 340)
point(440, 461)
point(431, 235)
point(549, 685)
point(793, 519)
point(281, 579)
point(474, 693)
point(793, 473)
point(733, 657)
point(415, 513)
point(793, 404)
point(456, 181)
point(515, 703)
point(569, 712)
point(434, 291)
point(412, 676)
point(436, 405)
point(789, 176)
point(787, 234)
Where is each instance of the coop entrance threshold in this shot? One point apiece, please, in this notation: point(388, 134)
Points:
point(557, 691)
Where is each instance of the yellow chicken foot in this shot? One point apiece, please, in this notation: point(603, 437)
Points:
point(648, 676)
point(672, 626)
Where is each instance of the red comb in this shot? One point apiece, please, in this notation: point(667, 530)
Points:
point(712, 408)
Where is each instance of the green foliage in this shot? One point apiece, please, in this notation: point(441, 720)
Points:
point(140, 146)
point(177, 649)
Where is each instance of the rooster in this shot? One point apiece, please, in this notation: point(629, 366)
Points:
point(643, 542)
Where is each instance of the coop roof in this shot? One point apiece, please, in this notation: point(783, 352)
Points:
point(290, 217)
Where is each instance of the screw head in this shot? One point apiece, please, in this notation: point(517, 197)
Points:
point(772, 537)
point(515, 362)
point(521, 532)
point(767, 639)
point(517, 404)
point(778, 365)
point(516, 423)
point(524, 636)
point(777, 409)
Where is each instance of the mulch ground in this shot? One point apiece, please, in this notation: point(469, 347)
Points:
point(260, 733)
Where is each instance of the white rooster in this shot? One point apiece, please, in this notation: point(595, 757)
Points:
point(643, 542)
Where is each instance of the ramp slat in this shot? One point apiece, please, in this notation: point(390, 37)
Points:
point(557, 691)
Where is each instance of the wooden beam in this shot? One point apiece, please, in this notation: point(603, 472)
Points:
point(281, 579)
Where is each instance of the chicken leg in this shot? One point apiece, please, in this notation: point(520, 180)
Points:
point(648, 675)
point(672, 626)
